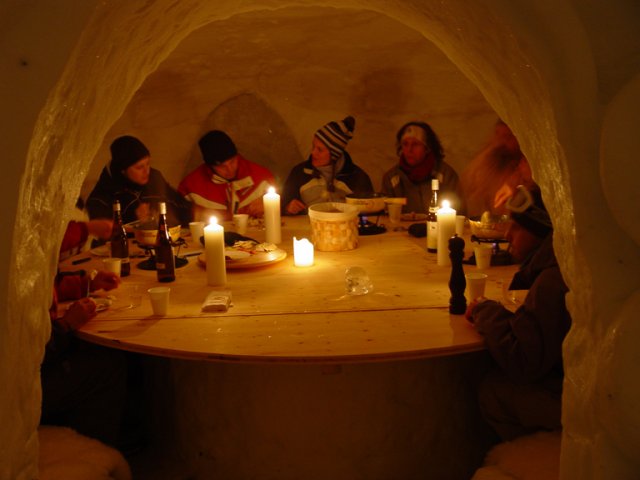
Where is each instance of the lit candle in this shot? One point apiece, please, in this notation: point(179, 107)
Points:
point(302, 252)
point(214, 253)
point(271, 202)
point(446, 230)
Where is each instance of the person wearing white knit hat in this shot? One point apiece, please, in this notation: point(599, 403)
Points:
point(421, 160)
point(329, 174)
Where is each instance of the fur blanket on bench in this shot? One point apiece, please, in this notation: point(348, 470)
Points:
point(534, 457)
point(65, 454)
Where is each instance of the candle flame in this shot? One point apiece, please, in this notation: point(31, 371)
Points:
point(213, 221)
point(446, 204)
point(271, 190)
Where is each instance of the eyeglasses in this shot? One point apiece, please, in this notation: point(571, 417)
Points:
point(521, 200)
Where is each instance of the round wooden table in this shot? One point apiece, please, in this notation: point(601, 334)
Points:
point(300, 380)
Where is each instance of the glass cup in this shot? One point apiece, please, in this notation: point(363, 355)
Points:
point(357, 281)
point(135, 296)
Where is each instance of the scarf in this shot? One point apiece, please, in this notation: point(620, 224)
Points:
point(328, 172)
point(232, 187)
point(418, 173)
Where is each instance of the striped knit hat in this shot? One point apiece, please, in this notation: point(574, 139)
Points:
point(336, 135)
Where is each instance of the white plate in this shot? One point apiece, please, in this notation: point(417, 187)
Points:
point(258, 259)
point(236, 254)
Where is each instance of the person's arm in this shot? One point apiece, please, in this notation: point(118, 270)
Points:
point(182, 205)
point(528, 343)
point(75, 236)
point(178, 206)
point(99, 207)
point(100, 228)
point(292, 204)
point(77, 284)
point(78, 314)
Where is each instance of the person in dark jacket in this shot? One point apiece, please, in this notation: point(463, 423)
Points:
point(329, 174)
point(130, 179)
point(523, 394)
point(83, 385)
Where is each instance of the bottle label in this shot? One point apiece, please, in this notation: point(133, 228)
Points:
point(432, 235)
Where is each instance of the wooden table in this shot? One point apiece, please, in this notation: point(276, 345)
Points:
point(284, 313)
point(298, 379)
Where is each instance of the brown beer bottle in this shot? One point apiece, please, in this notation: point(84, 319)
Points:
point(432, 218)
point(165, 261)
point(119, 244)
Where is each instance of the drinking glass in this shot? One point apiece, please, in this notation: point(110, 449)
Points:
point(357, 281)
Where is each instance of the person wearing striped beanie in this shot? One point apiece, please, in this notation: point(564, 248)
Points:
point(328, 174)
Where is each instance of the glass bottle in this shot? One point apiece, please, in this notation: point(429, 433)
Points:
point(119, 244)
point(432, 218)
point(165, 261)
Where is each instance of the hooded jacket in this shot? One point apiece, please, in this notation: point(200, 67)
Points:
point(114, 186)
point(527, 344)
point(307, 184)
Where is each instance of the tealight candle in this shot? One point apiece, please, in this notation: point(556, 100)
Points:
point(271, 203)
point(214, 253)
point(446, 230)
point(302, 252)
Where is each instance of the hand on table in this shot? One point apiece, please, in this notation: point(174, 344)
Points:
point(79, 313)
point(295, 206)
point(256, 208)
point(469, 313)
point(105, 281)
point(143, 212)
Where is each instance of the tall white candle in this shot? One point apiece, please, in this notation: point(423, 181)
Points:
point(446, 230)
point(214, 253)
point(271, 202)
point(302, 252)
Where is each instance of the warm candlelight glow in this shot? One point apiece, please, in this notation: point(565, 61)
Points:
point(446, 230)
point(213, 221)
point(302, 252)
